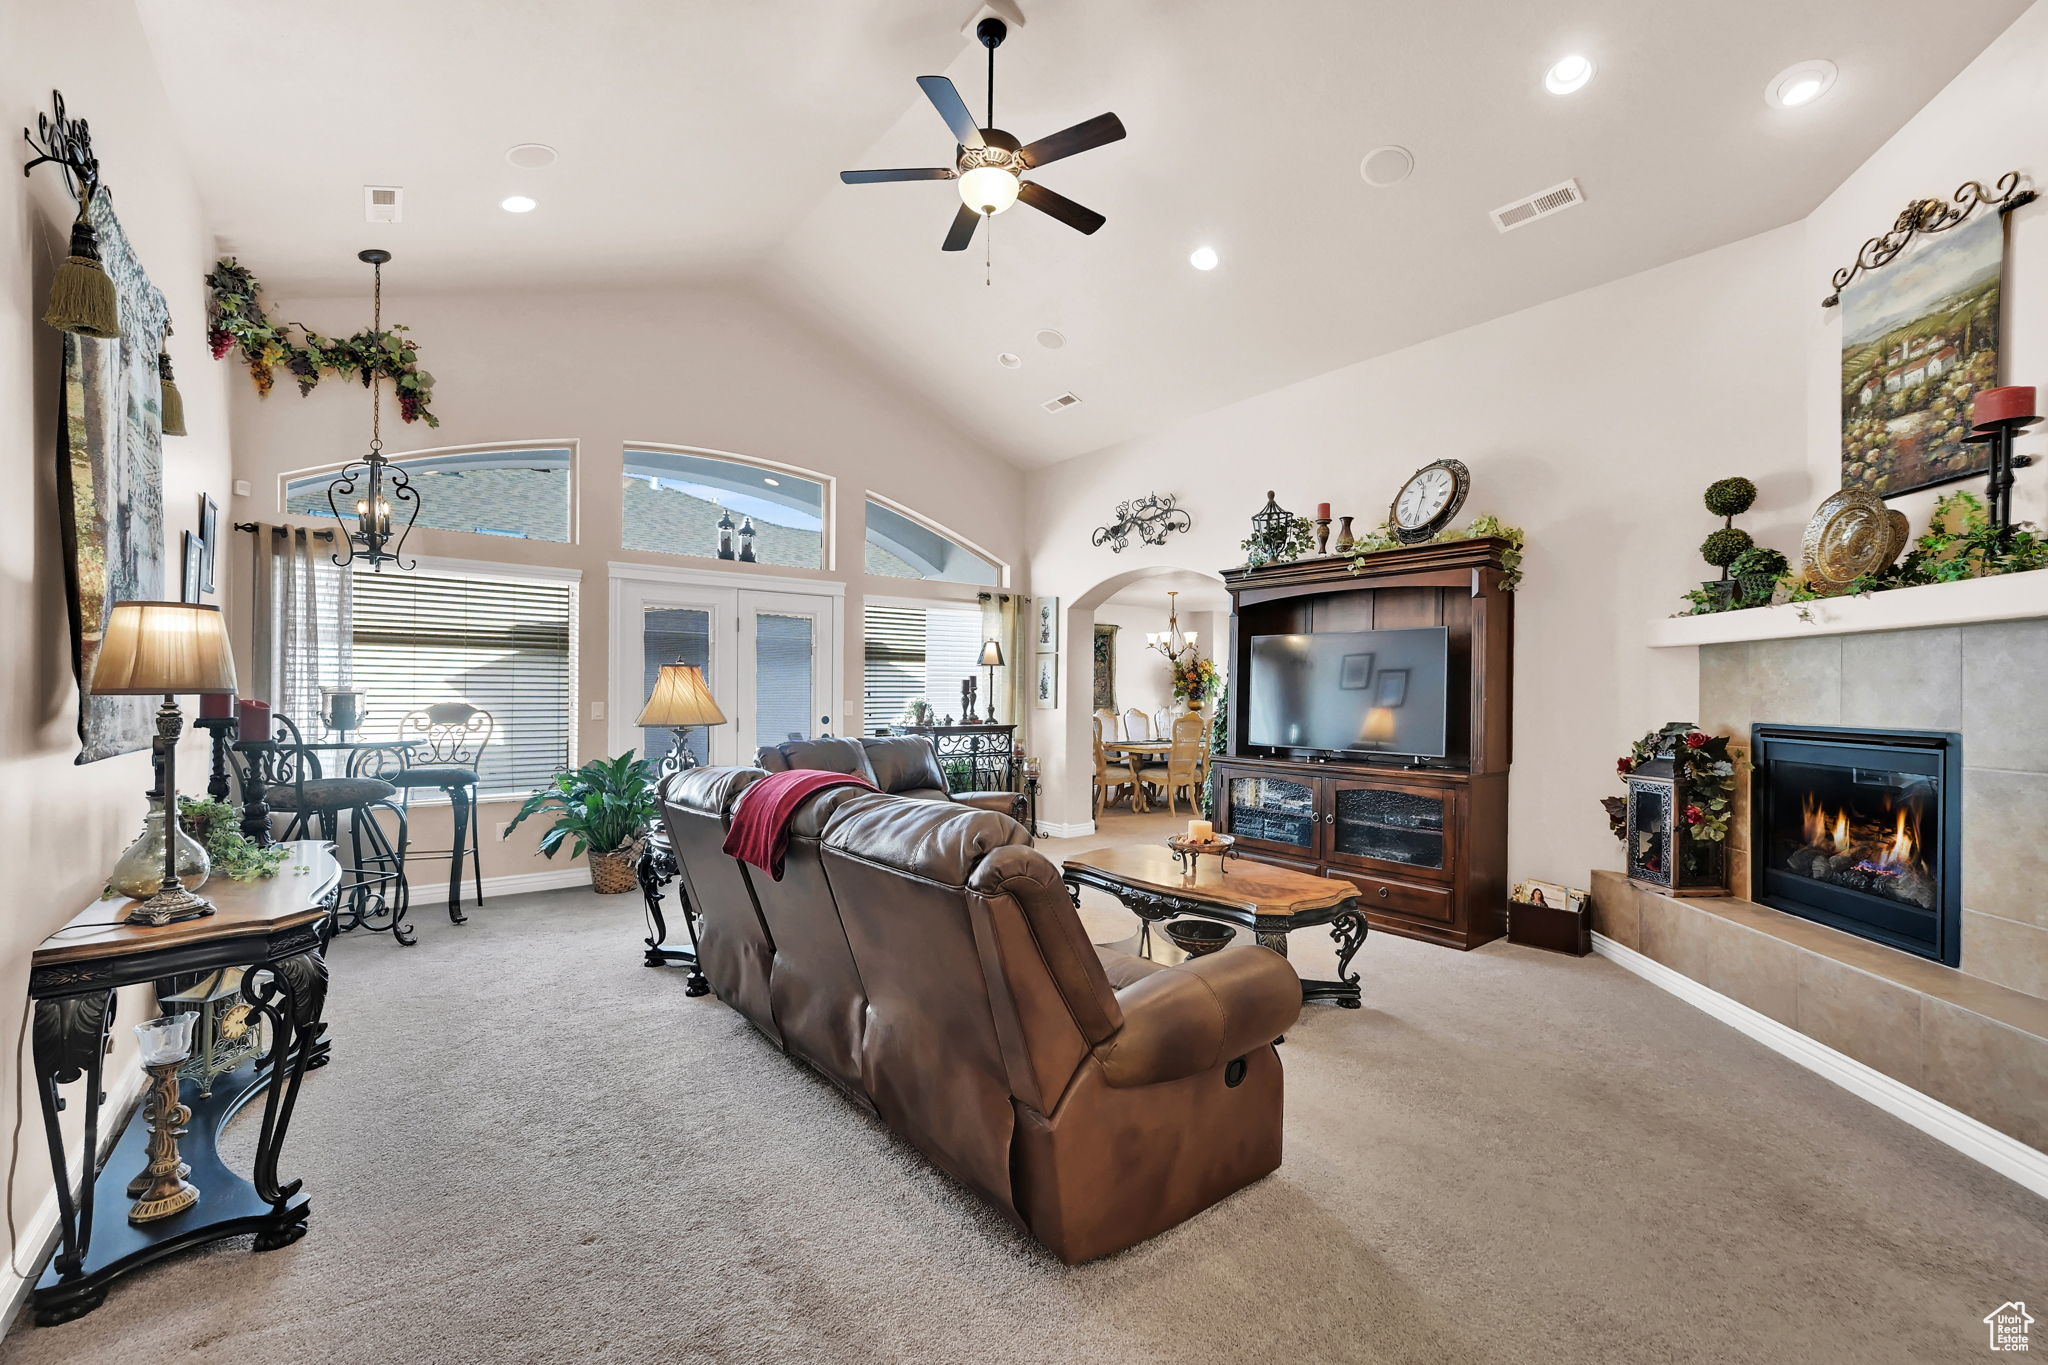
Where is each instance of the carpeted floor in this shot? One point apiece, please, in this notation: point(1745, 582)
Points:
point(531, 1148)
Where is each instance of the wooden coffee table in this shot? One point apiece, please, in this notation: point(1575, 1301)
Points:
point(1270, 901)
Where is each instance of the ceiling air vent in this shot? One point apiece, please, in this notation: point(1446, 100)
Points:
point(1556, 199)
point(383, 204)
point(1065, 400)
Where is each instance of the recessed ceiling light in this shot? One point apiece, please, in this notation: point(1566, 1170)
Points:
point(1388, 165)
point(771, 482)
point(1051, 340)
point(531, 156)
point(1569, 74)
point(517, 203)
point(1009, 360)
point(1203, 258)
point(1800, 84)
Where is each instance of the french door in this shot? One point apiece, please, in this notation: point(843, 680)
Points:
point(770, 655)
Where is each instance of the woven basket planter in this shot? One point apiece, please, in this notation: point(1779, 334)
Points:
point(612, 873)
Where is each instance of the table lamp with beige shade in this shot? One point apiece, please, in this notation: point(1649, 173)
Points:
point(681, 699)
point(165, 649)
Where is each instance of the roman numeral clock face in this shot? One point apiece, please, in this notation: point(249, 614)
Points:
point(1429, 499)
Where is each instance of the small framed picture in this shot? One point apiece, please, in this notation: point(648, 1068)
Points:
point(1356, 673)
point(191, 565)
point(209, 539)
point(1393, 688)
point(1049, 623)
point(1045, 689)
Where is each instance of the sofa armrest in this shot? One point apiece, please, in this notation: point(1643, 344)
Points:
point(1002, 803)
point(1185, 1020)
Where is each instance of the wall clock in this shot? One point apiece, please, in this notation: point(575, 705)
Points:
point(1428, 501)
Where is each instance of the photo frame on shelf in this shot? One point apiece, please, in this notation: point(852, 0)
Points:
point(1045, 688)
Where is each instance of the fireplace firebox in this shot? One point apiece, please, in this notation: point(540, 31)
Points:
point(1861, 830)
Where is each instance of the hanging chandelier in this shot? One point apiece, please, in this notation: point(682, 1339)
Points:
point(1170, 641)
point(369, 487)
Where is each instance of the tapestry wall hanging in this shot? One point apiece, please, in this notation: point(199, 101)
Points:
point(110, 484)
point(1920, 334)
point(1105, 668)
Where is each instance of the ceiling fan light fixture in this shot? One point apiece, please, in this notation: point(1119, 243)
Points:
point(988, 189)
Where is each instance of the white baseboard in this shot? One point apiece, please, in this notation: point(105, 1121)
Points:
point(429, 889)
point(1076, 829)
point(37, 1239)
point(1977, 1140)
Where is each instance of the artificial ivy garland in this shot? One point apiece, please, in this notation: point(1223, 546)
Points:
point(1703, 763)
point(1486, 527)
point(235, 318)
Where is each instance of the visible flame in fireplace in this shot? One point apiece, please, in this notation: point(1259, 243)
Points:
point(1887, 852)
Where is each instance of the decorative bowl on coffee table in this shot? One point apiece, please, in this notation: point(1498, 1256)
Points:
point(1189, 851)
point(1198, 937)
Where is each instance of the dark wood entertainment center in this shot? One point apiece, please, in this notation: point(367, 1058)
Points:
point(1426, 843)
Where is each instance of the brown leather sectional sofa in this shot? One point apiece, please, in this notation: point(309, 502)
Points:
point(906, 765)
point(925, 959)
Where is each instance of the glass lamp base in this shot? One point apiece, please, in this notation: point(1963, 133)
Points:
point(169, 906)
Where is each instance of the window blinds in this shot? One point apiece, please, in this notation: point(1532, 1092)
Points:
point(914, 652)
point(507, 645)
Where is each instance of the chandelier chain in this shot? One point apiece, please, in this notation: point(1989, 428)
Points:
point(377, 380)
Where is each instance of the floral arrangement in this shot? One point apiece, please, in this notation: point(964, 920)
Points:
point(217, 826)
point(1382, 537)
point(235, 318)
point(1702, 765)
point(1960, 542)
point(1193, 679)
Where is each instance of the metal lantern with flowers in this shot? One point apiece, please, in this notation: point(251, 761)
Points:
point(1674, 821)
point(1278, 536)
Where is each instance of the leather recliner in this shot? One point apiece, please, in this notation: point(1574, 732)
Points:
point(926, 960)
point(903, 765)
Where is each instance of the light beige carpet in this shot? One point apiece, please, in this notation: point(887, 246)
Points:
point(532, 1148)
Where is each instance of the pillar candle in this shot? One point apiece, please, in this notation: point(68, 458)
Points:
point(2002, 405)
point(252, 719)
point(1323, 511)
point(216, 705)
point(1200, 831)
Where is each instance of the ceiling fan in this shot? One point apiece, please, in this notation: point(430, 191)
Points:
point(990, 163)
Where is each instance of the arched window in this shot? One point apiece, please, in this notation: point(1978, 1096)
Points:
point(904, 545)
point(676, 497)
point(516, 491)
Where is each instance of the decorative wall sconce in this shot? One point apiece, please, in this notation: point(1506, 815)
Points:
point(1149, 518)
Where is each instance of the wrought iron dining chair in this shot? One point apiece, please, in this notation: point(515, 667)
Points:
point(287, 776)
point(444, 744)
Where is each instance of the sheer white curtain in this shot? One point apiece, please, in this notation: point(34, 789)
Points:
point(303, 626)
point(1000, 621)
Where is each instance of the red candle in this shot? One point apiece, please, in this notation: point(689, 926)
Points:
point(1323, 511)
point(252, 719)
point(216, 705)
point(2002, 405)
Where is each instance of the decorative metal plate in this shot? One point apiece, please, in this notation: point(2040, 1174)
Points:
point(1852, 534)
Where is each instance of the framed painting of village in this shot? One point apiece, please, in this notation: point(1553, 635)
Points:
point(1919, 339)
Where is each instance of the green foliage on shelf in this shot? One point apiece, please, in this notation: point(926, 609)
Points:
point(1487, 527)
point(1720, 548)
point(1730, 497)
point(1281, 547)
point(218, 826)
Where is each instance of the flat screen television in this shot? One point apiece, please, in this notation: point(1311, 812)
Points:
point(1352, 692)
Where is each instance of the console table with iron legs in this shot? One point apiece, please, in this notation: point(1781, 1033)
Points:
point(657, 871)
point(275, 931)
point(1154, 894)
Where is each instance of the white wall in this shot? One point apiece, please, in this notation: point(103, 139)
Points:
point(723, 369)
point(1594, 422)
point(66, 824)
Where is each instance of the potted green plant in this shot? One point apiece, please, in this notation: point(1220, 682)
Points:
point(1726, 499)
point(1756, 572)
point(607, 807)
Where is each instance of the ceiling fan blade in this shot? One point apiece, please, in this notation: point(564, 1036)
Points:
point(917, 173)
point(1070, 141)
point(951, 108)
point(962, 231)
point(1059, 206)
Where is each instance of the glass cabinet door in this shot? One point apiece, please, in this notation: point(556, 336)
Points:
point(1389, 828)
point(1272, 811)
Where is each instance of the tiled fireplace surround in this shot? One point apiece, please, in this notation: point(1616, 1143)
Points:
point(1974, 1039)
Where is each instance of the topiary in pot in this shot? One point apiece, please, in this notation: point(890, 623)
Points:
point(1757, 570)
point(1731, 497)
point(1724, 546)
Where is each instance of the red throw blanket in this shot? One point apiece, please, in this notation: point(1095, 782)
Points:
point(760, 823)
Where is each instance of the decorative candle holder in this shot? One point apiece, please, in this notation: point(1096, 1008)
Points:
point(1188, 852)
point(1322, 535)
point(341, 709)
point(1998, 431)
point(166, 1045)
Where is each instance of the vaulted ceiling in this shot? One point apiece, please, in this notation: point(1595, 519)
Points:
point(701, 138)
